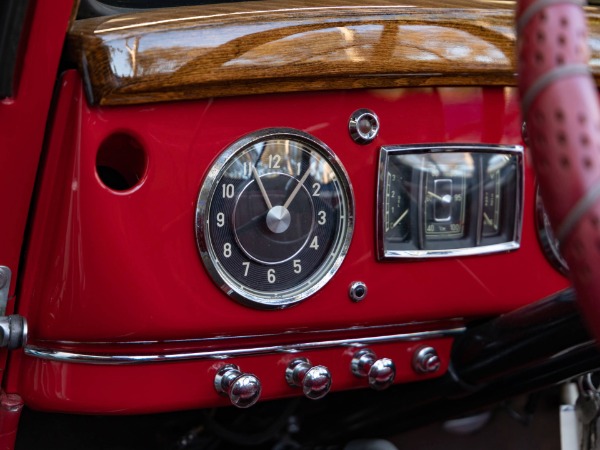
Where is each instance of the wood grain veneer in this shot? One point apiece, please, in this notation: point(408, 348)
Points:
point(271, 46)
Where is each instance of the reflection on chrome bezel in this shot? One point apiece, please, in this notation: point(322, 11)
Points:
point(278, 299)
point(546, 236)
point(388, 150)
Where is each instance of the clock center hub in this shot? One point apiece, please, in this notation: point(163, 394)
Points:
point(278, 219)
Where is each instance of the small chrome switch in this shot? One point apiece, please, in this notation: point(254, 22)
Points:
point(357, 291)
point(315, 381)
point(426, 360)
point(243, 389)
point(379, 372)
point(363, 126)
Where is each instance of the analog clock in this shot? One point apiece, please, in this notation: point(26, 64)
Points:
point(274, 218)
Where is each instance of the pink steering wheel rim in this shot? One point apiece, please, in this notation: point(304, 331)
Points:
point(559, 103)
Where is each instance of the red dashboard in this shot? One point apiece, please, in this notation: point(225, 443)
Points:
point(124, 317)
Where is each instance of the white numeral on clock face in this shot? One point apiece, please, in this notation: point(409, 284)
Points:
point(220, 220)
point(228, 191)
point(316, 189)
point(247, 168)
point(322, 218)
point(274, 161)
point(297, 266)
point(315, 243)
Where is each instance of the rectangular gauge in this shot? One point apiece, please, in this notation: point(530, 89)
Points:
point(449, 200)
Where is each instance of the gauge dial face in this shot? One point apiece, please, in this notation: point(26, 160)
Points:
point(492, 194)
point(274, 218)
point(492, 190)
point(445, 190)
point(450, 200)
point(397, 203)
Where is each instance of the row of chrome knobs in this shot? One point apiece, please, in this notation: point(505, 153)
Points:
point(244, 389)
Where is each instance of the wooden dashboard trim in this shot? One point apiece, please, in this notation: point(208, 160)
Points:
point(261, 47)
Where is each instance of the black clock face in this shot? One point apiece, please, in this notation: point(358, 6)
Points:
point(274, 218)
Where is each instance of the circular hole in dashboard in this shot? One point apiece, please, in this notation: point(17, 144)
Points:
point(121, 162)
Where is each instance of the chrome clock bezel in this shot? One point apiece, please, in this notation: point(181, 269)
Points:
point(244, 294)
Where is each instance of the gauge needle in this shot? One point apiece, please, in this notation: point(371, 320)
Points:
point(402, 216)
point(296, 189)
point(261, 187)
point(488, 220)
point(446, 198)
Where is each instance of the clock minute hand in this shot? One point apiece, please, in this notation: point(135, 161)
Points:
point(261, 187)
point(296, 189)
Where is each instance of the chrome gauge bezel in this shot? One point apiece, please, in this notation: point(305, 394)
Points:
point(480, 249)
point(548, 241)
point(245, 294)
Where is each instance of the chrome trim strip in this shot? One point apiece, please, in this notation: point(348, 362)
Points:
point(470, 251)
point(103, 359)
point(429, 323)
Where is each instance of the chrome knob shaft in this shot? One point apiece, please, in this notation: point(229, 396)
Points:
point(315, 381)
point(379, 372)
point(243, 389)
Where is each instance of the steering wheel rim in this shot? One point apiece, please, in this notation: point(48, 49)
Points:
point(559, 103)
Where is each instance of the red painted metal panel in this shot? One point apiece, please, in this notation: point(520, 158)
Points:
point(23, 123)
point(104, 265)
point(123, 266)
point(11, 406)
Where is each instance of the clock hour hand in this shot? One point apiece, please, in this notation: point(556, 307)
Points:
point(262, 188)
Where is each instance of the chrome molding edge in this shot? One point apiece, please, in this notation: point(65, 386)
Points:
point(548, 240)
point(104, 359)
point(432, 324)
point(470, 251)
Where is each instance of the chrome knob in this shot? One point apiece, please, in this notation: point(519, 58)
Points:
point(243, 389)
point(426, 360)
point(363, 126)
point(380, 372)
point(315, 381)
